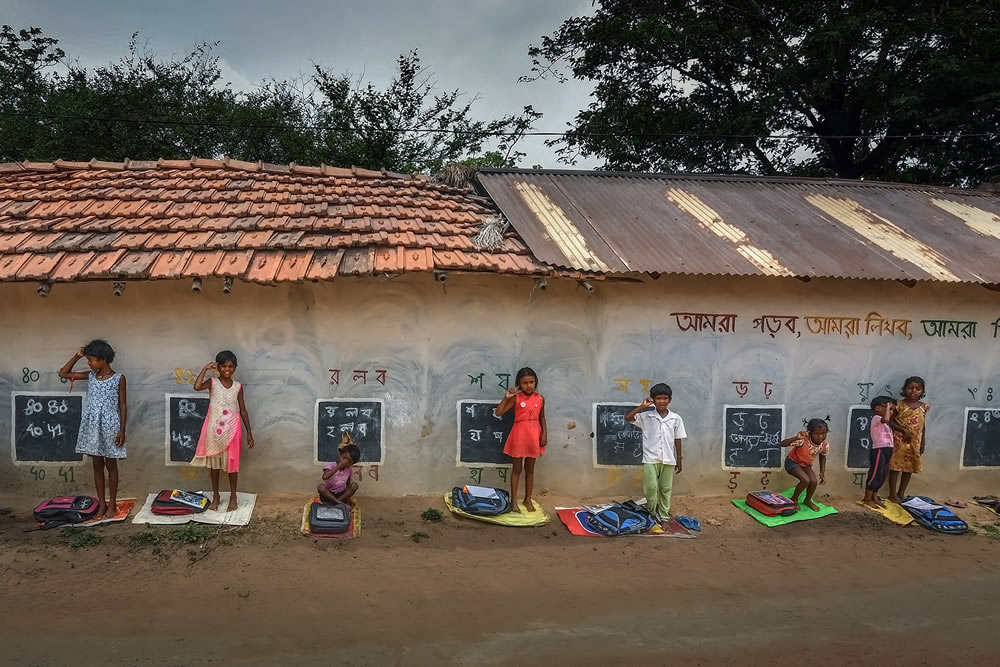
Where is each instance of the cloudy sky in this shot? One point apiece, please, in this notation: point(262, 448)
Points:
point(479, 46)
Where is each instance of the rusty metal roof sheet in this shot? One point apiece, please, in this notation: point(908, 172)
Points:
point(734, 225)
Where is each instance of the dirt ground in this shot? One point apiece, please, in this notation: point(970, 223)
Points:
point(850, 589)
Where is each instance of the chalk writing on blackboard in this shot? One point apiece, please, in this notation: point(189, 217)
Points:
point(981, 438)
point(859, 420)
point(752, 436)
point(617, 443)
point(482, 434)
point(45, 427)
point(185, 416)
point(361, 418)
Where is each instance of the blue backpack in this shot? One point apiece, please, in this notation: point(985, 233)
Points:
point(938, 517)
point(627, 518)
point(470, 504)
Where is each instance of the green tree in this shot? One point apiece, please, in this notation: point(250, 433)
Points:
point(25, 55)
point(146, 107)
point(711, 85)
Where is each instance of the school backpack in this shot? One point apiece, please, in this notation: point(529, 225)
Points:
point(628, 518)
point(63, 510)
point(329, 519)
point(166, 505)
point(464, 501)
point(769, 503)
point(928, 513)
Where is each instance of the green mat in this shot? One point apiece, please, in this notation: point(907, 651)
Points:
point(804, 513)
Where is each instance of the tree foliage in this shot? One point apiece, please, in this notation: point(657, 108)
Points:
point(715, 85)
point(146, 107)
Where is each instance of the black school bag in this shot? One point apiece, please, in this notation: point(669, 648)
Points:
point(470, 504)
point(626, 518)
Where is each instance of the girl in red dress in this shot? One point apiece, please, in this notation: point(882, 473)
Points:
point(529, 436)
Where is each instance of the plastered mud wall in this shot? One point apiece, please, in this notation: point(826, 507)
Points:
point(421, 347)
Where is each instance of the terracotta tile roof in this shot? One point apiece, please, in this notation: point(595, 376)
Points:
point(146, 220)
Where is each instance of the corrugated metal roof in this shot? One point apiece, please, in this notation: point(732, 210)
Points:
point(734, 225)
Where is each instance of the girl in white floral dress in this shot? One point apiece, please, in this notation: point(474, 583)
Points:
point(102, 426)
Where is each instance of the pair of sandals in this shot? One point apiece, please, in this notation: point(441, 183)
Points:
point(689, 522)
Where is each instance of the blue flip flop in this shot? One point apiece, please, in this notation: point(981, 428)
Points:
point(689, 522)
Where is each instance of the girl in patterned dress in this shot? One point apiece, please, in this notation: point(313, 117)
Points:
point(102, 425)
point(529, 436)
point(222, 432)
point(909, 440)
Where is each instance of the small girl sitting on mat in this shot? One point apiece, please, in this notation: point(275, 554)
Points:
point(337, 487)
point(806, 446)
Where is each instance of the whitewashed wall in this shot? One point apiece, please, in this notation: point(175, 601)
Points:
point(431, 337)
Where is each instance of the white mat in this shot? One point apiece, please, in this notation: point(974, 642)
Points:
point(221, 517)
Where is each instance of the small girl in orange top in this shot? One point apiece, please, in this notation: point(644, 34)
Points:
point(806, 446)
point(529, 436)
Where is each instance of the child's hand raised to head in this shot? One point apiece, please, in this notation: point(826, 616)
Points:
point(511, 392)
point(80, 353)
point(647, 402)
point(211, 366)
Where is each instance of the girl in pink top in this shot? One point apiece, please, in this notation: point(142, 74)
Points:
point(337, 487)
point(529, 436)
point(222, 433)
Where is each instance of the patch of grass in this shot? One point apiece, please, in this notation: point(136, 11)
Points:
point(992, 530)
point(80, 538)
point(431, 514)
point(419, 536)
point(193, 533)
point(6, 511)
point(144, 538)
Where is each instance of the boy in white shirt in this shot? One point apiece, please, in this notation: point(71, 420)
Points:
point(662, 432)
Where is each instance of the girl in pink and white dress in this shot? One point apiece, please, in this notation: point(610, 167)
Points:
point(222, 433)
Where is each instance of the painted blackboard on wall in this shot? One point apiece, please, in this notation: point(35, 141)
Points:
point(45, 426)
point(753, 435)
point(859, 439)
point(184, 418)
point(362, 418)
point(481, 434)
point(981, 439)
point(617, 443)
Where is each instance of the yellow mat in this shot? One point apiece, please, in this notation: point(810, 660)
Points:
point(892, 512)
point(524, 518)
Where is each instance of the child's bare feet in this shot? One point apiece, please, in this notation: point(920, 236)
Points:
point(873, 504)
point(515, 508)
point(895, 499)
point(111, 510)
point(214, 505)
point(102, 508)
point(811, 505)
point(233, 504)
point(528, 505)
